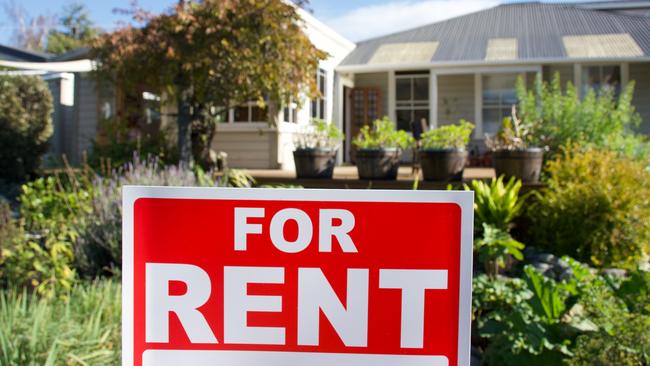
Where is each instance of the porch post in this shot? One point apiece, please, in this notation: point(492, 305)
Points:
point(478, 105)
point(337, 100)
point(392, 96)
point(625, 75)
point(577, 78)
point(433, 99)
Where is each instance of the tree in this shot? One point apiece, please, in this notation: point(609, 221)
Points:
point(78, 30)
point(212, 55)
point(25, 125)
point(29, 32)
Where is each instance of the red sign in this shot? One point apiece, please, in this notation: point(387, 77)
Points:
point(296, 277)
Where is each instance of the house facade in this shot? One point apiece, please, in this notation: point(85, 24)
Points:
point(461, 68)
point(467, 67)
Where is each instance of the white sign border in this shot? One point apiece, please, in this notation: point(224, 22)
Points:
point(464, 199)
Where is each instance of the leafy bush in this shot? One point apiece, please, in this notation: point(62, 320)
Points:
point(621, 313)
point(522, 319)
point(595, 208)
point(383, 135)
point(82, 330)
point(25, 125)
point(71, 223)
point(53, 214)
point(9, 234)
point(560, 117)
point(494, 248)
point(496, 204)
point(635, 292)
point(454, 136)
point(627, 345)
point(319, 135)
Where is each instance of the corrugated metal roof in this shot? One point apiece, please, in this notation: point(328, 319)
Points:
point(538, 29)
point(9, 53)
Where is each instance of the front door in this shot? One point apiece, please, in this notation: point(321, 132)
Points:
point(364, 107)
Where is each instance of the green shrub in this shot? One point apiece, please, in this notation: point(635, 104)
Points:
point(495, 247)
point(595, 208)
point(383, 135)
point(495, 203)
point(635, 292)
point(53, 214)
point(561, 117)
point(628, 344)
point(84, 329)
point(535, 320)
point(25, 125)
point(524, 320)
point(9, 234)
point(455, 136)
point(621, 315)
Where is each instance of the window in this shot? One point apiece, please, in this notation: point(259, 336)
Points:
point(601, 78)
point(250, 112)
point(412, 99)
point(290, 113)
point(499, 94)
point(318, 104)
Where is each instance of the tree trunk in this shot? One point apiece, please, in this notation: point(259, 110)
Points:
point(184, 121)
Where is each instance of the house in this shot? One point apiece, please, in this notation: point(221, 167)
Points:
point(245, 133)
point(66, 138)
point(465, 67)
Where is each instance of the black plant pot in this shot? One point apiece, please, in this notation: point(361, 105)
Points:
point(378, 164)
point(314, 163)
point(523, 164)
point(443, 165)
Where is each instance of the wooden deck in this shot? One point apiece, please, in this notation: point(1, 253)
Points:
point(345, 177)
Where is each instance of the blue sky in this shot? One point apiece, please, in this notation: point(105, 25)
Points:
point(355, 19)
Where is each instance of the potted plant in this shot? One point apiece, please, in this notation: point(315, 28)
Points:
point(514, 153)
point(379, 149)
point(316, 146)
point(442, 151)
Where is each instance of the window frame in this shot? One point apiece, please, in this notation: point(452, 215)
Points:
point(501, 106)
point(318, 106)
point(584, 88)
point(412, 105)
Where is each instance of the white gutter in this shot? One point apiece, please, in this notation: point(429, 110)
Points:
point(478, 63)
point(67, 66)
point(609, 5)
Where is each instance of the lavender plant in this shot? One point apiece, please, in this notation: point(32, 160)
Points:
point(99, 248)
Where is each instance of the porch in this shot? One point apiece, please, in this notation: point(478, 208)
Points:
point(345, 177)
point(443, 95)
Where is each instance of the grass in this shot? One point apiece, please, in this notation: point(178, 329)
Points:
point(80, 328)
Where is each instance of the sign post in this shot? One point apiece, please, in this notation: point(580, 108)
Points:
point(249, 277)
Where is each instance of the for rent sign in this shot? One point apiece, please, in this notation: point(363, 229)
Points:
point(296, 277)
